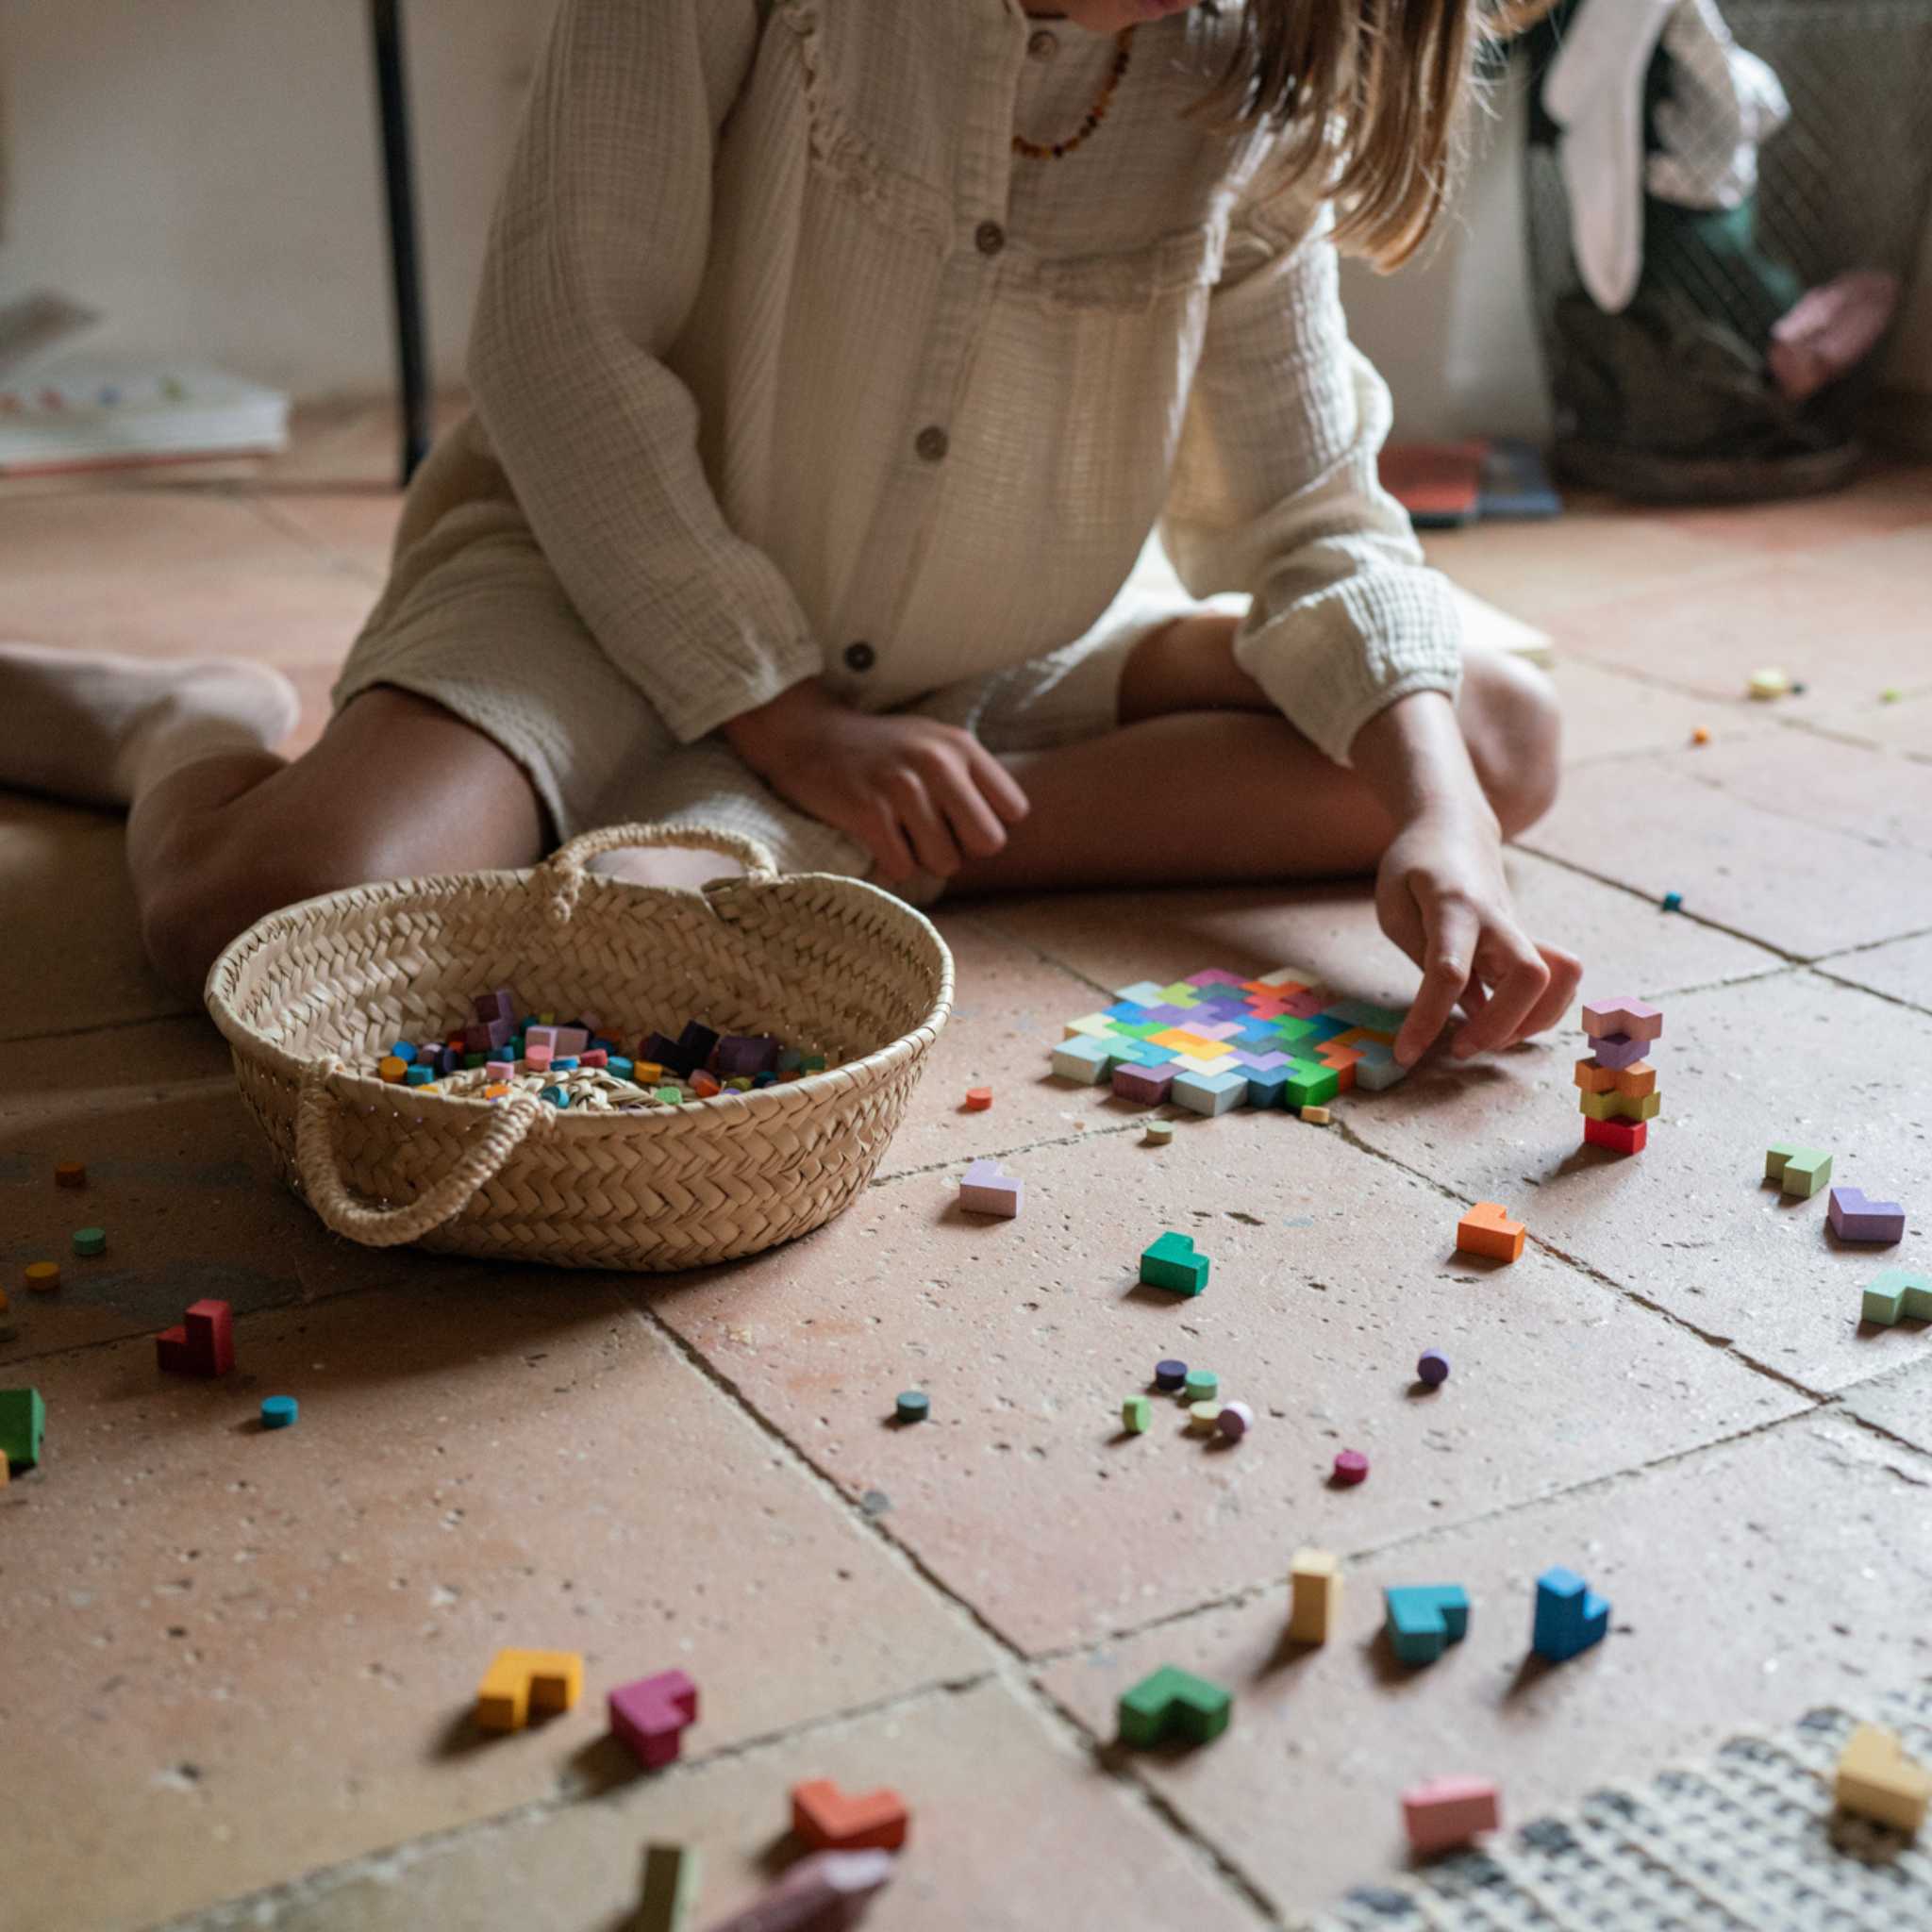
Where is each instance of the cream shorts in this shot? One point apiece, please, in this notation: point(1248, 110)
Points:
point(475, 620)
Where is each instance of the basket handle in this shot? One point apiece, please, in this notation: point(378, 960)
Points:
point(388, 1227)
point(565, 868)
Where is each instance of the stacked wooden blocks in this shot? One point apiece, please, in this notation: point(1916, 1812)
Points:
point(1214, 1041)
point(1619, 1086)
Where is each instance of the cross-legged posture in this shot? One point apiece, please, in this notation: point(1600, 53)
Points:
point(832, 364)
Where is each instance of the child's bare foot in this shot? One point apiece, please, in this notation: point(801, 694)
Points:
point(1830, 330)
point(99, 729)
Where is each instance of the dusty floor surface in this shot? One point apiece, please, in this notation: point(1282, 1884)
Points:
point(239, 1666)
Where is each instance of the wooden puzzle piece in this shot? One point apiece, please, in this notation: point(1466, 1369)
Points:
point(1172, 1264)
point(1621, 1136)
point(1799, 1171)
point(1569, 1616)
point(651, 1715)
point(984, 1190)
point(1209, 1094)
point(1174, 1703)
point(1853, 1218)
point(1143, 993)
point(1449, 1811)
point(1315, 1578)
point(826, 1820)
point(1636, 1080)
point(1081, 1059)
point(670, 1889)
point(1876, 1780)
point(1898, 1295)
point(23, 1422)
point(1423, 1620)
point(1488, 1230)
point(1148, 1084)
point(1631, 1018)
point(1620, 1107)
point(1618, 1051)
point(520, 1681)
point(202, 1344)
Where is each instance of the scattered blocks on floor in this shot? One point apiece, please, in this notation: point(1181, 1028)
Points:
point(824, 1819)
point(1876, 1780)
point(203, 1345)
point(1448, 1812)
point(1620, 1136)
point(1317, 1116)
point(1172, 1704)
point(1853, 1218)
point(520, 1681)
point(1423, 1620)
point(90, 1240)
point(1315, 1603)
point(1488, 1230)
point(1136, 1415)
point(1172, 1264)
point(1201, 1385)
point(1351, 1467)
point(279, 1411)
point(912, 1406)
point(43, 1277)
point(1674, 901)
point(1432, 1366)
point(70, 1173)
point(979, 1099)
point(1899, 1294)
point(22, 1423)
point(1170, 1373)
point(669, 1888)
point(650, 1714)
point(1798, 1170)
point(986, 1191)
point(1159, 1133)
point(1569, 1616)
point(1203, 1418)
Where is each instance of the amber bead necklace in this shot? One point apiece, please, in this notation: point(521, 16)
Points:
point(1037, 151)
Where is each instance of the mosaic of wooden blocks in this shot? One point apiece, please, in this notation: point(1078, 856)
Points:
point(520, 1681)
point(1876, 1780)
point(1853, 1218)
point(1900, 1294)
point(1799, 1171)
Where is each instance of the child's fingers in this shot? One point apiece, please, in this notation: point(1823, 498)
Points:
point(1517, 978)
point(1452, 928)
point(970, 816)
point(931, 838)
point(1566, 975)
point(998, 786)
point(878, 831)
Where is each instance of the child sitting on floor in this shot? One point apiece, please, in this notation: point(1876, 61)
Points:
point(832, 363)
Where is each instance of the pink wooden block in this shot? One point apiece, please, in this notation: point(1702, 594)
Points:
point(1449, 1811)
point(986, 1191)
point(541, 1036)
point(536, 1059)
point(203, 1344)
point(1631, 1018)
point(571, 1041)
point(650, 1715)
point(1150, 1083)
point(595, 1056)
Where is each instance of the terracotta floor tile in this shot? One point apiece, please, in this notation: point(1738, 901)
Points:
point(1332, 1271)
point(1688, 1223)
point(1904, 727)
point(1900, 1401)
point(70, 955)
point(1806, 890)
point(1704, 1562)
point(1901, 970)
point(1887, 497)
point(1606, 715)
point(256, 1652)
point(978, 1769)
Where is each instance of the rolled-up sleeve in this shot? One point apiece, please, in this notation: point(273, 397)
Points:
point(595, 260)
point(1275, 493)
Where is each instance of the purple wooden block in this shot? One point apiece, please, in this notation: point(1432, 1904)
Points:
point(650, 1715)
point(571, 1041)
point(986, 1191)
point(1215, 975)
point(543, 1038)
point(1618, 1050)
point(1166, 1016)
point(449, 1061)
point(1853, 1218)
point(1149, 1084)
point(1216, 1029)
point(747, 1054)
point(697, 1044)
point(484, 1036)
point(500, 1005)
point(1170, 1373)
point(663, 1053)
point(1268, 1062)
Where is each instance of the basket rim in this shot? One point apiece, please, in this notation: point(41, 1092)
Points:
point(286, 923)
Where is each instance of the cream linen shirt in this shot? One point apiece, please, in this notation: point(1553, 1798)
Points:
point(795, 367)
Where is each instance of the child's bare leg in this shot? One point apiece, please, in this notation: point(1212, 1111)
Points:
point(1206, 781)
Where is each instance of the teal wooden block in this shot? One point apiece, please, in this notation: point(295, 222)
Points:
point(419, 1076)
point(1174, 1703)
point(1267, 1086)
point(1423, 1620)
point(23, 1422)
point(1569, 1616)
point(1172, 1264)
point(1202, 1384)
point(1209, 1094)
point(1083, 1058)
point(1362, 1013)
point(1899, 1294)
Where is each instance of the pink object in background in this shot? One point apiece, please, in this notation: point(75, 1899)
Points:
point(1449, 1811)
point(826, 1893)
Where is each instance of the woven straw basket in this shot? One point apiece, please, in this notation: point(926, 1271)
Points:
point(310, 997)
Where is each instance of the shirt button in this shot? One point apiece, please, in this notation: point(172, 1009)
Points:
point(1042, 45)
point(933, 444)
point(860, 657)
point(991, 238)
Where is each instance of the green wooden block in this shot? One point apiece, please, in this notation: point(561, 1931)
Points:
point(23, 1422)
point(670, 1888)
point(1899, 1294)
point(1799, 1171)
point(1136, 1415)
point(1202, 1384)
point(1310, 1084)
point(90, 1240)
point(1180, 994)
point(1174, 1703)
point(671, 1096)
point(1172, 1264)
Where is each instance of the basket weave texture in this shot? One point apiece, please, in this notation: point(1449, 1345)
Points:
point(310, 997)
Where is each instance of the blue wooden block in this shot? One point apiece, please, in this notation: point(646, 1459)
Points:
point(279, 1411)
point(1423, 1620)
point(1209, 1094)
point(556, 1096)
point(403, 1051)
point(1083, 1058)
point(619, 1068)
point(1570, 1617)
point(1266, 1086)
point(419, 1076)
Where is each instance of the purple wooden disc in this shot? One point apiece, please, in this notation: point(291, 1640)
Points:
point(1433, 1367)
point(1351, 1466)
point(1170, 1373)
point(1236, 1420)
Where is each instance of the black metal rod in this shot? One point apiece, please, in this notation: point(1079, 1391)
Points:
point(406, 286)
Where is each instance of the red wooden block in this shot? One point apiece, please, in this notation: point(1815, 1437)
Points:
point(650, 1715)
point(203, 1344)
point(979, 1099)
point(1621, 1136)
point(824, 1818)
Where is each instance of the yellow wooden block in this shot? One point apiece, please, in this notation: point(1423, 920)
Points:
point(1316, 1577)
point(1217, 1063)
point(1634, 1081)
point(1094, 1025)
point(670, 1888)
point(1621, 1107)
point(1178, 1040)
point(520, 1681)
point(1876, 1780)
point(647, 1072)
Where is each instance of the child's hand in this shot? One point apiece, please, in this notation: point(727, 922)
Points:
point(1441, 897)
point(913, 792)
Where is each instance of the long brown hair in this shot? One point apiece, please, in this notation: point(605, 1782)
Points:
point(1372, 94)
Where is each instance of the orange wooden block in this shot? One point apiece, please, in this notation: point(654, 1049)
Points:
point(496, 1092)
point(43, 1277)
point(705, 1085)
point(70, 1173)
point(1487, 1229)
point(520, 1681)
point(979, 1099)
point(1634, 1082)
point(824, 1819)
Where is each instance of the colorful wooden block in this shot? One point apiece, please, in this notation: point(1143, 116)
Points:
point(1620, 1107)
point(1169, 1374)
point(1159, 1133)
point(1136, 1415)
point(1899, 1294)
point(1170, 1262)
point(1149, 1084)
point(1570, 1617)
point(1448, 1812)
point(1488, 1230)
point(41, 1277)
point(1432, 1367)
point(1636, 1080)
point(1618, 1051)
point(203, 1345)
point(23, 1424)
point(1798, 1170)
point(1174, 1703)
point(1209, 1094)
point(1351, 1467)
point(70, 1173)
point(1234, 1420)
point(499, 1004)
point(747, 1054)
point(520, 1681)
point(1317, 1116)
point(651, 1715)
point(1423, 1620)
point(1143, 993)
point(1876, 1780)
point(669, 1888)
point(280, 1411)
point(1267, 1086)
point(1201, 1385)
point(1315, 1600)
point(1203, 1417)
point(1853, 1218)
point(912, 1406)
point(1083, 1059)
point(1628, 1017)
point(826, 1820)
point(984, 1190)
point(980, 1098)
point(1379, 1071)
point(90, 1240)
point(1621, 1136)
point(706, 1086)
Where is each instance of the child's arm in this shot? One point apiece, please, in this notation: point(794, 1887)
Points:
point(1359, 642)
point(596, 258)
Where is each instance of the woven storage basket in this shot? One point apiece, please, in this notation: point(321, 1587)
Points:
point(310, 997)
